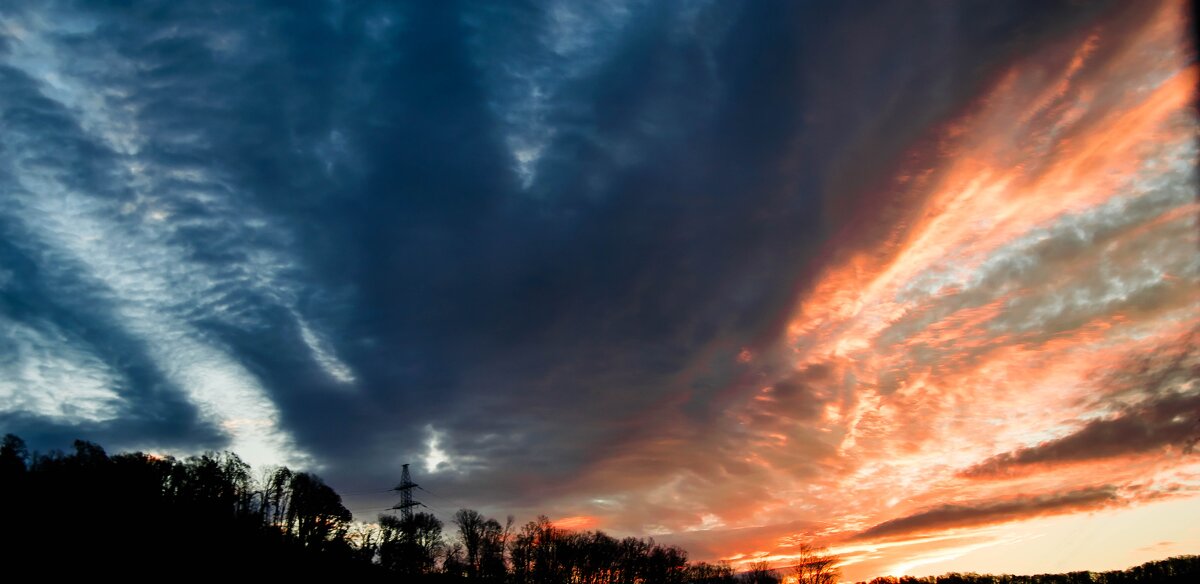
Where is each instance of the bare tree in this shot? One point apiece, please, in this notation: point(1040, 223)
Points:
point(411, 545)
point(815, 566)
point(760, 572)
point(483, 541)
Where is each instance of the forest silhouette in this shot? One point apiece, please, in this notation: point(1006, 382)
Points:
point(88, 514)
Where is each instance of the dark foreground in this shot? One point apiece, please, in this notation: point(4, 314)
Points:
point(136, 516)
point(1177, 569)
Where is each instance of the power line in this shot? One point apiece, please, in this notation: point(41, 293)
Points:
point(437, 509)
point(371, 492)
point(435, 494)
point(367, 510)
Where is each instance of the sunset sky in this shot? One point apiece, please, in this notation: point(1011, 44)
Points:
point(915, 280)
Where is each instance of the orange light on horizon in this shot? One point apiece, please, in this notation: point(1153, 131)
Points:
point(576, 522)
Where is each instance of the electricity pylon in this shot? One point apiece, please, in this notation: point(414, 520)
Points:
point(406, 503)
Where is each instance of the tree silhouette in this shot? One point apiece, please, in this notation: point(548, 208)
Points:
point(14, 456)
point(275, 496)
point(315, 513)
point(706, 573)
point(760, 573)
point(410, 546)
point(815, 565)
point(483, 544)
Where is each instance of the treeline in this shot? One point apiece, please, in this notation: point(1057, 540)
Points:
point(1177, 569)
point(87, 513)
point(484, 550)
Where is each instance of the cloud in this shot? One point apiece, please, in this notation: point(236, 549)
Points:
point(147, 247)
point(47, 375)
point(1165, 414)
point(1168, 422)
point(978, 513)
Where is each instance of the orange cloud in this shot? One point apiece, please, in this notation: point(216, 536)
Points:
point(576, 523)
point(1051, 237)
point(967, 354)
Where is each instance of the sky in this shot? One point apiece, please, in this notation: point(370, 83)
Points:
point(917, 281)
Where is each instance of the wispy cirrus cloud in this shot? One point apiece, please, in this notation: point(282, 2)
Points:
point(124, 227)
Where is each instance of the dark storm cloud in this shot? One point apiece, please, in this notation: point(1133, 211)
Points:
point(666, 233)
point(539, 232)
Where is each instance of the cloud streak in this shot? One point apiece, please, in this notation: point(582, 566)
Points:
point(953, 516)
point(1149, 428)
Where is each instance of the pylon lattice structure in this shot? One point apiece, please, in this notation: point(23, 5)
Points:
point(405, 488)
